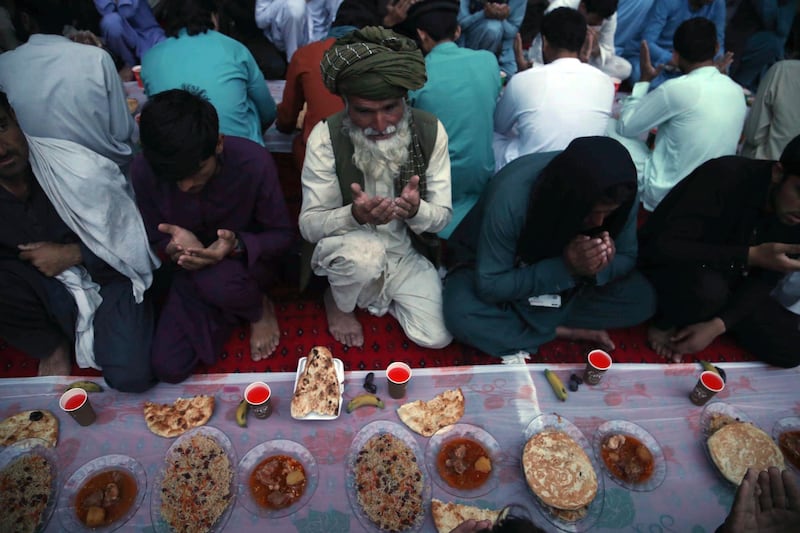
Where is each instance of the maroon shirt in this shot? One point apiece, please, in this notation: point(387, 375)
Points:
point(244, 196)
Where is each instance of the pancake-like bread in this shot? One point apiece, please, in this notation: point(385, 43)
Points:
point(738, 446)
point(558, 471)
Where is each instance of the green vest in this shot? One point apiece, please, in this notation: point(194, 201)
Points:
point(426, 126)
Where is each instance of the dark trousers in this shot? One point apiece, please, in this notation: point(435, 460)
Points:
point(200, 312)
point(38, 313)
point(690, 295)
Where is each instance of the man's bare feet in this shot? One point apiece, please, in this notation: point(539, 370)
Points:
point(598, 337)
point(58, 363)
point(659, 341)
point(344, 327)
point(265, 334)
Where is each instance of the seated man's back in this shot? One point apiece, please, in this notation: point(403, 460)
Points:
point(68, 91)
point(699, 115)
point(544, 108)
point(461, 90)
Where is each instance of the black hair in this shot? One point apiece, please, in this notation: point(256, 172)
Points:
point(179, 130)
point(194, 15)
point(695, 40)
point(565, 29)
point(43, 16)
point(514, 518)
point(790, 157)
point(603, 8)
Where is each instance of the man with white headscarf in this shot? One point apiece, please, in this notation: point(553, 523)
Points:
point(74, 259)
point(376, 178)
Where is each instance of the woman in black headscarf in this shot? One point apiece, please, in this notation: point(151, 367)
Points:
point(548, 251)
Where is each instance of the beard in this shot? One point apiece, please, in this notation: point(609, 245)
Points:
point(381, 159)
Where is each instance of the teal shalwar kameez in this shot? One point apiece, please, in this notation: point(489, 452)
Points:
point(486, 293)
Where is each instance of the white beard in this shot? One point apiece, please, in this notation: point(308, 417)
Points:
point(381, 160)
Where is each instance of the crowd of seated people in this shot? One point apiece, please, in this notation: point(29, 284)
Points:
point(633, 162)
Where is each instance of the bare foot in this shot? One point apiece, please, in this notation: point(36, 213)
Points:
point(659, 341)
point(595, 336)
point(344, 327)
point(265, 334)
point(57, 363)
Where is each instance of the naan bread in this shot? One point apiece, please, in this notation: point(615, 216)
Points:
point(171, 420)
point(558, 471)
point(736, 447)
point(426, 418)
point(448, 516)
point(318, 387)
point(36, 424)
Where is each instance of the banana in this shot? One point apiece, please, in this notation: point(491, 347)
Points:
point(241, 413)
point(88, 386)
point(558, 386)
point(708, 366)
point(362, 400)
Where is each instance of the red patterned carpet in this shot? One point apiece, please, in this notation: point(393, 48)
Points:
point(303, 326)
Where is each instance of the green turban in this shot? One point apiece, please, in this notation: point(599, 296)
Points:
point(373, 63)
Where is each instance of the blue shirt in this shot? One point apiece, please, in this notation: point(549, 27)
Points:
point(462, 90)
point(223, 70)
point(665, 17)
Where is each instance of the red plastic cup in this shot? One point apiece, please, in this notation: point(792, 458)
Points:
point(398, 375)
point(76, 403)
point(597, 363)
point(709, 384)
point(258, 395)
point(137, 73)
point(617, 82)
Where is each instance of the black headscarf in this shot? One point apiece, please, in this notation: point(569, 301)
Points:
point(567, 190)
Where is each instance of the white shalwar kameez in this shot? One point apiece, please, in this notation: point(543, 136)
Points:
point(376, 267)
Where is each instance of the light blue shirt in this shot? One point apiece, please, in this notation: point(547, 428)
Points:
point(699, 117)
point(665, 17)
point(462, 90)
point(221, 68)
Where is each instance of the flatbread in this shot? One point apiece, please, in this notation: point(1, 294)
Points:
point(34, 424)
point(426, 418)
point(448, 516)
point(738, 446)
point(558, 471)
point(171, 420)
point(318, 387)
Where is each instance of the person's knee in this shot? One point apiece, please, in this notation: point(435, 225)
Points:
point(112, 25)
point(131, 378)
point(433, 336)
point(709, 291)
point(171, 371)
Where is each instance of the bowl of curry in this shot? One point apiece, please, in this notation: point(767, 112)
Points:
point(630, 455)
point(277, 478)
point(462, 459)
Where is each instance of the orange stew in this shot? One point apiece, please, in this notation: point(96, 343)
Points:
point(789, 442)
point(463, 464)
point(277, 482)
point(627, 458)
point(105, 497)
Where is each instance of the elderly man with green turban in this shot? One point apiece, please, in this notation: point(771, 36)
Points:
point(376, 182)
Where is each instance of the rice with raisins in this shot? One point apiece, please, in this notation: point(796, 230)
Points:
point(389, 483)
point(25, 486)
point(196, 487)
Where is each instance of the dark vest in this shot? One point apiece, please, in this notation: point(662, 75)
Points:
point(426, 126)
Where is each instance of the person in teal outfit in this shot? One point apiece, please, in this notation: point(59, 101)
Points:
point(493, 26)
point(549, 251)
point(199, 59)
point(462, 90)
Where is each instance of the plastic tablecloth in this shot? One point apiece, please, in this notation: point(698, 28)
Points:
point(502, 399)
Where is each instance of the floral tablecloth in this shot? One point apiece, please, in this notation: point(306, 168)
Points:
point(502, 399)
